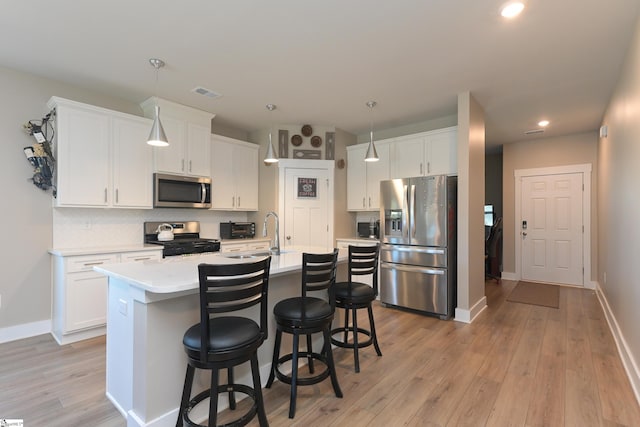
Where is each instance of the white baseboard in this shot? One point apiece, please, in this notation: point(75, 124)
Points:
point(468, 316)
point(628, 361)
point(506, 275)
point(26, 330)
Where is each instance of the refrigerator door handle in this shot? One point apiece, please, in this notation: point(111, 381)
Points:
point(403, 267)
point(431, 251)
point(413, 211)
point(405, 212)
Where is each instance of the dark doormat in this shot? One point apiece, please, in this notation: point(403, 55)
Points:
point(536, 294)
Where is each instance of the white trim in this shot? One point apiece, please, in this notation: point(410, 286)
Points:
point(468, 316)
point(626, 356)
point(585, 169)
point(25, 330)
point(509, 275)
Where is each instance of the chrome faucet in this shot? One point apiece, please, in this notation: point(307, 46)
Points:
point(276, 241)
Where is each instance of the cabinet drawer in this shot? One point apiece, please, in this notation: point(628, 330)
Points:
point(87, 262)
point(141, 256)
point(258, 246)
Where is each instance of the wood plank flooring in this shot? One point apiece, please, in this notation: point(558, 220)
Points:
point(516, 365)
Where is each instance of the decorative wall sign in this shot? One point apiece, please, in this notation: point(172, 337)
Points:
point(307, 188)
point(307, 154)
point(330, 138)
point(306, 130)
point(283, 144)
point(296, 140)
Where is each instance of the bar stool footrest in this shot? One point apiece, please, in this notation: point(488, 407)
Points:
point(282, 377)
point(224, 388)
point(343, 344)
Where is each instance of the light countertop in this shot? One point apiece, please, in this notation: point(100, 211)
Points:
point(103, 250)
point(180, 273)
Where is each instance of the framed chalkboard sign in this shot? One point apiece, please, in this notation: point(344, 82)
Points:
point(307, 188)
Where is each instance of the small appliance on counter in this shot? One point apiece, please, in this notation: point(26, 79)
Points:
point(237, 230)
point(369, 230)
point(186, 238)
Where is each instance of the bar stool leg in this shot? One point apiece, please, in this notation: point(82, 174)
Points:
point(232, 397)
point(355, 339)
point(309, 356)
point(186, 393)
point(294, 376)
point(346, 325)
point(274, 361)
point(373, 330)
point(213, 398)
point(329, 355)
point(257, 387)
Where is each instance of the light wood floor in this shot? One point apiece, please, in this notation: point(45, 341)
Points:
point(516, 365)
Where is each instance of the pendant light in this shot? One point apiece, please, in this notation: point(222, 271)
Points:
point(157, 137)
point(271, 153)
point(372, 154)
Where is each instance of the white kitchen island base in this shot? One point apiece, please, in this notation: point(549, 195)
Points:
point(151, 305)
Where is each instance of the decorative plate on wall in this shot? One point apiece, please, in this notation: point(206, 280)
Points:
point(307, 130)
point(296, 140)
point(316, 141)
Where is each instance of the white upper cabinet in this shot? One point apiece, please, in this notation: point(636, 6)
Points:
point(189, 133)
point(426, 153)
point(102, 158)
point(363, 178)
point(234, 173)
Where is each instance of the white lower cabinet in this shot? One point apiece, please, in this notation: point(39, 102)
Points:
point(244, 246)
point(79, 308)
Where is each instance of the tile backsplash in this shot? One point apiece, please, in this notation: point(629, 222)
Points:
point(88, 228)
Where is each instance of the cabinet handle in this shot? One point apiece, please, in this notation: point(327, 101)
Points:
point(233, 202)
point(238, 201)
point(142, 259)
point(189, 165)
point(105, 195)
point(369, 201)
point(428, 167)
point(117, 195)
point(182, 167)
point(89, 264)
point(421, 168)
point(364, 202)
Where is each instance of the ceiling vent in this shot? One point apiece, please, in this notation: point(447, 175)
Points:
point(533, 131)
point(205, 92)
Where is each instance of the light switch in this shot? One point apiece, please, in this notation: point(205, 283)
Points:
point(122, 306)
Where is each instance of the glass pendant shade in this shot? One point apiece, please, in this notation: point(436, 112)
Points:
point(157, 137)
point(271, 153)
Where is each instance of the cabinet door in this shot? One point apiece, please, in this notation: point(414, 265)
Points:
point(409, 157)
point(83, 157)
point(356, 178)
point(376, 172)
point(171, 159)
point(223, 186)
point(86, 302)
point(245, 160)
point(443, 153)
point(198, 150)
point(132, 163)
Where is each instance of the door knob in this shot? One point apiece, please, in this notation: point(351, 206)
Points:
point(524, 234)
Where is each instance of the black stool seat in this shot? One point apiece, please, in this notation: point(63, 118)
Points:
point(224, 341)
point(306, 315)
point(351, 295)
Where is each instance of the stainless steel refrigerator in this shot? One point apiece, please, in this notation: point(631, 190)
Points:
point(418, 232)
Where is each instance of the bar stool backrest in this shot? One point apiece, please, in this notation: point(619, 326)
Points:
point(231, 287)
point(319, 273)
point(363, 260)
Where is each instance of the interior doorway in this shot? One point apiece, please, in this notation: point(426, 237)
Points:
point(552, 224)
point(306, 201)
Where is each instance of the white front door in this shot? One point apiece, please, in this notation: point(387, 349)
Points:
point(551, 228)
point(307, 203)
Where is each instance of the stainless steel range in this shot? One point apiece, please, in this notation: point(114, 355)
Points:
point(186, 238)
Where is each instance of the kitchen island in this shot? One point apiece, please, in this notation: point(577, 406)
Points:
point(150, 306)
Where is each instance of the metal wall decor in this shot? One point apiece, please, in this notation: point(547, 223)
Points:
point(283, 143)
point(296, 140)
point(329, 150)
point(316, 141)
point(307, 130)
point(307, 154)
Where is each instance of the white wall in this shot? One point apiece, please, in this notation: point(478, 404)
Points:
point(619, 208)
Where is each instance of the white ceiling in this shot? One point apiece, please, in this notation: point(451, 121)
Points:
point(321, 61)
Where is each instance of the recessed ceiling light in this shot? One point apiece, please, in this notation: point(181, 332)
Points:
point(543, 123)
point(512, 9)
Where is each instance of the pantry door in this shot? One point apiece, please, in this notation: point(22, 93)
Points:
point(307, 203)
point(551, 228)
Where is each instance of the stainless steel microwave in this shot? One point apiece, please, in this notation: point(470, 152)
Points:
point(178, 191)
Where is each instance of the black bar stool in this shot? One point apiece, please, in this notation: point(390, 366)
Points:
point(306, 315)
point(226, 341)
point(363, 260)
